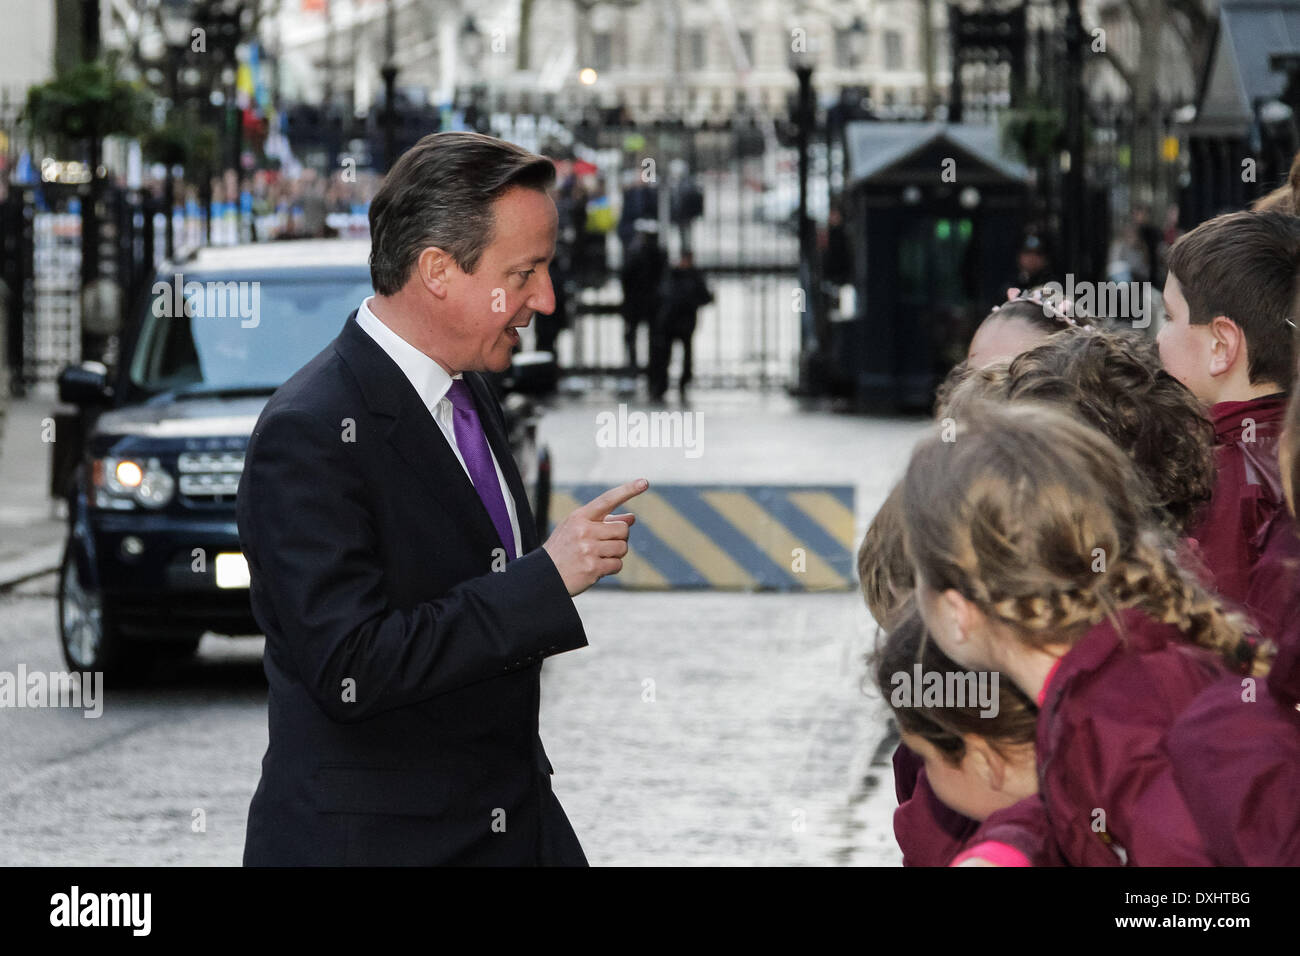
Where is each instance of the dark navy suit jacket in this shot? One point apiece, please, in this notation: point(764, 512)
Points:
point(404, 670)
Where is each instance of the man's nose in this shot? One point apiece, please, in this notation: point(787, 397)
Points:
point(543, 300)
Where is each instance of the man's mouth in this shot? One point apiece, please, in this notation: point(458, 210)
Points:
point(512, 331)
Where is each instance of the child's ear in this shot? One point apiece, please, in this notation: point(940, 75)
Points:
point(965, 615)
point(985, 761)
point(1227, 345)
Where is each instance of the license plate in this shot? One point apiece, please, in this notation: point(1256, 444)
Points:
point(232, 571)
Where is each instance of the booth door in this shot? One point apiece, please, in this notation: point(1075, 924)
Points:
point(935, 295)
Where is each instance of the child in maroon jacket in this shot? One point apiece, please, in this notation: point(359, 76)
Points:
point(1228, 337)
point(1236, 749)
point(978, 753)
point(1035, 555)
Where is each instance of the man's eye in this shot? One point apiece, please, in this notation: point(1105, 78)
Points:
point(527, 275)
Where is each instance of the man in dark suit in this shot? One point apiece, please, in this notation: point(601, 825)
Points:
point(394, 561)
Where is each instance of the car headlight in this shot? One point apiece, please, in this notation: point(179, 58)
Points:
point(125, 482)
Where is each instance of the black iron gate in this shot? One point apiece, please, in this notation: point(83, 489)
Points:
point(729, 194)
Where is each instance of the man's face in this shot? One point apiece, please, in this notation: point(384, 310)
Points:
point(509, 284)
point(1185, 348)
point(1031, 261)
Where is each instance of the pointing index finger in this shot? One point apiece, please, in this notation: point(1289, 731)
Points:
point(599, 507)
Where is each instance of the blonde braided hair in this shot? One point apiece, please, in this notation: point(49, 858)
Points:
point(1043, 523)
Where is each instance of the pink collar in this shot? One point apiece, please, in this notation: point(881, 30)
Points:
point(1047, 682)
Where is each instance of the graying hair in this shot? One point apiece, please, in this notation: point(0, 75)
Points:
point(440, 193)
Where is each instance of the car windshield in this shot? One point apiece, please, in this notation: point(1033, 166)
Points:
point(223, 334)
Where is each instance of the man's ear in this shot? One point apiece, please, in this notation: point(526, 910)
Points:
point(433, 268)
point(964, 613)
point(1227, 345)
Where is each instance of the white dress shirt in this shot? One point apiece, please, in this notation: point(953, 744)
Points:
point(431, 383)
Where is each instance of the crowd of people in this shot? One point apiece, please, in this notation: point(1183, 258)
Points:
point(1108, 524)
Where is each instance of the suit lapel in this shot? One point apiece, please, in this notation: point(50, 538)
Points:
point(414, 435)
point(500, 444)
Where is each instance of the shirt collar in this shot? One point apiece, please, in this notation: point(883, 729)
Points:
point(429, 379)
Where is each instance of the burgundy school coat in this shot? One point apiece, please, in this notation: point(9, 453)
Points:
point(1018, 835)
point(928, 832)
point(1246, 536)
point(1103, 770)
point(1238, 760)
point(1238, 764)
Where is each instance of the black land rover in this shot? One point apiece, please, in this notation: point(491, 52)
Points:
point(152, 558)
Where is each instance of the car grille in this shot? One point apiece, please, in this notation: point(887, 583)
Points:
point(210, 474)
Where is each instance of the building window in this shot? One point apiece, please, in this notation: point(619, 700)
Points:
point(603, 50)
point(940, 42)
point(747, 42)
point(850, 42)
point(697, 49)
point(844, 49)
point(893, 50)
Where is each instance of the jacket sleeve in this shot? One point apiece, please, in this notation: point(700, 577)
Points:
point(1018, 835)
point(928, 832)
point(314, 559)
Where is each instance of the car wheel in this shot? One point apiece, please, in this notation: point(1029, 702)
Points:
point(90, 638)
point(93, 639)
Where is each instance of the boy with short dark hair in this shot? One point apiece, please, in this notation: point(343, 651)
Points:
point(1229, 302)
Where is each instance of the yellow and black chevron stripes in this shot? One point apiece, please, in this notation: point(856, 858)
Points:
point(733, 537)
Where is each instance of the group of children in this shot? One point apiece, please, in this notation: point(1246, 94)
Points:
point(1106, 523)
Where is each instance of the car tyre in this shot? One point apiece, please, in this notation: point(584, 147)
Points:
point(88, 631)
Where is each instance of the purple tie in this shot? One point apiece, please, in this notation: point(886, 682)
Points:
point(478, 460)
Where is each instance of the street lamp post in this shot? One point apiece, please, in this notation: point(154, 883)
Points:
point(175, 27)
point(814, 344)
point(471, 44)
point(1073, 181)
point(389, 73)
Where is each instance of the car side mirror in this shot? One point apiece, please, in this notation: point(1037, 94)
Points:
point(85, 384)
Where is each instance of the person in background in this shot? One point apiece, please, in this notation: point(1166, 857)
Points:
point(644, 262)
point(682, 293)
point(550, 326)
point(1149, 237)
point(1033, 264)
point(640, 200)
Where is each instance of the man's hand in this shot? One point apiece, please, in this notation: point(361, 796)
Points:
point(591, 542)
